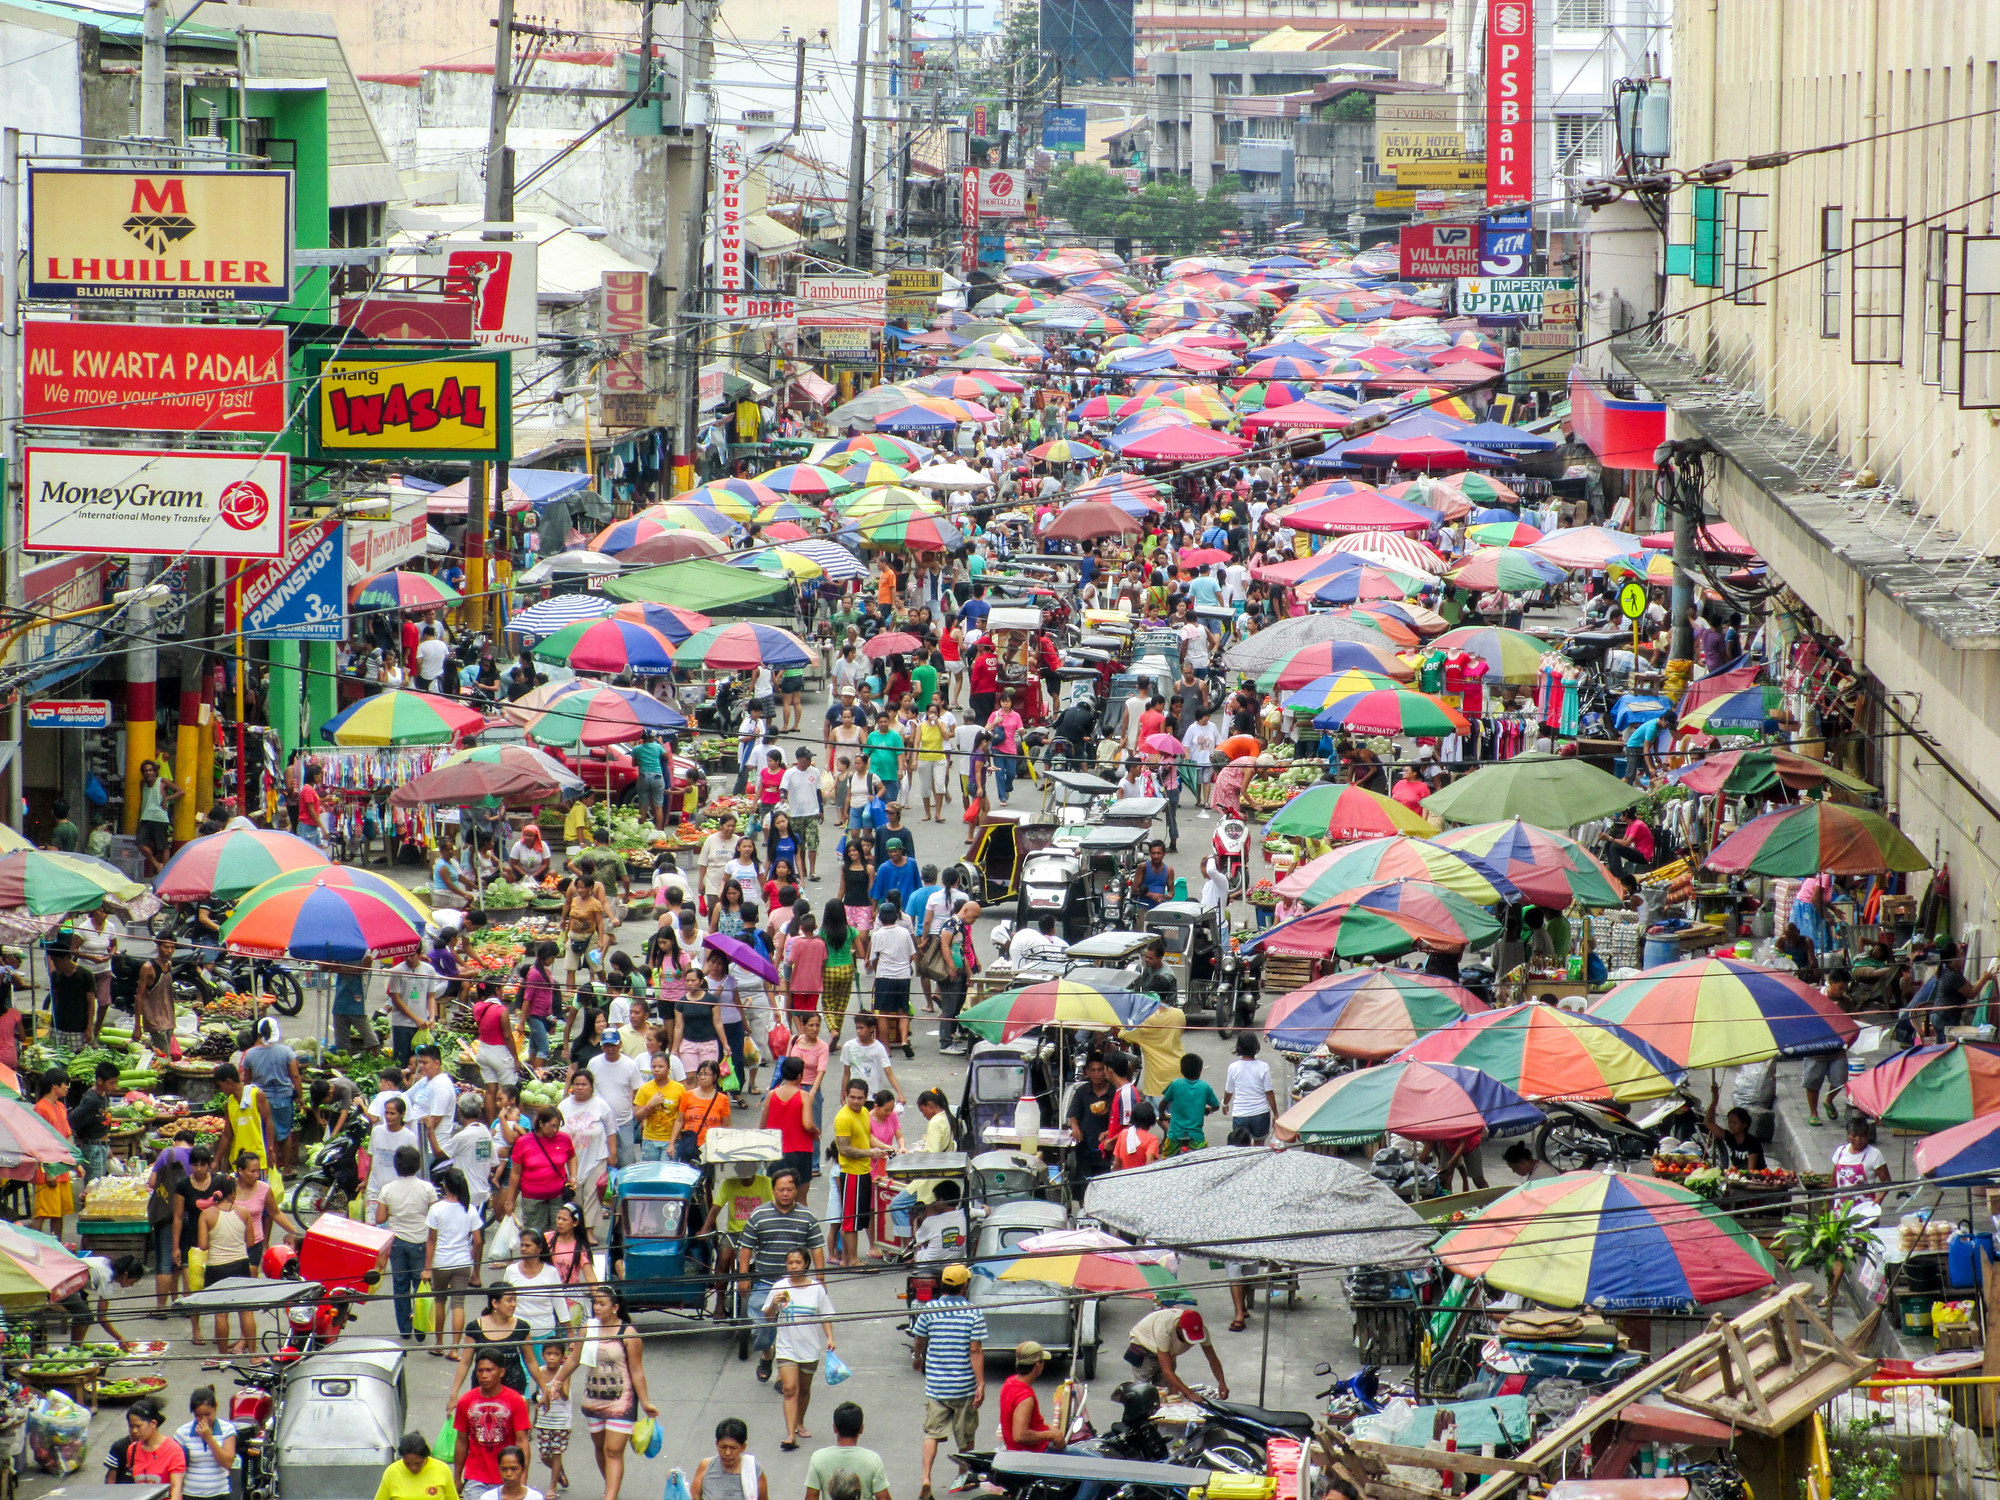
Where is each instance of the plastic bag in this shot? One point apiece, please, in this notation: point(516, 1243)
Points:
point(836, 1368)
point(504, 1243)
point(677, 1486)
point(423, 1311)
point(58, 1434)
point(195, 1270)
point(646, 1438)
point(445, 1449)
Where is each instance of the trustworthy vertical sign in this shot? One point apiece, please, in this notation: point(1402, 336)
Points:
point(1510, 98)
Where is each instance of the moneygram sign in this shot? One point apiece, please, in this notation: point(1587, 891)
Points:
point(452, 406)
point(1439, 251)
point(302, 595)
point(159, 237)
point(183, 378)
point(148, 501)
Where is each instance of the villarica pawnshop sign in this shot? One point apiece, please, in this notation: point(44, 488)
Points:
point(105, 235)
point(413, 404)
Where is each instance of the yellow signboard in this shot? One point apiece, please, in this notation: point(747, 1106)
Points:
point(913, 291)
point(159, 236)
point(1396, 148)
point(1394, 198)
point(453, 405)
point(1441, 174)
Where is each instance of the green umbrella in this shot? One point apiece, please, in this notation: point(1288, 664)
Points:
point(47, 883)
point(1549, 791)
point(696, 583)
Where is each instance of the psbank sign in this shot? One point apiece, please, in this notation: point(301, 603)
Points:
point(159, 237)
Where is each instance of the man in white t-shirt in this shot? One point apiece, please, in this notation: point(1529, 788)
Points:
point(617, 1078)
point(471, 1149)
point(800, 789)
point(866, 1059)
point(1201, 739)
point(433, 1103)
point(432, 653)
point(1236, 586)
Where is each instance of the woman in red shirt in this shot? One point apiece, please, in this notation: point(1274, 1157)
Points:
point(786, 1111)
point(543, 1171)
point(153, 1454)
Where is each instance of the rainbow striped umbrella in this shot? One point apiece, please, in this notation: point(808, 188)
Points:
point(670, 620)
point(737, 499)
point(1968, 1150)
point(1338, 812)
point(1514, 569)
point(336, 915)
point(882, 445)
point(1424, 1101)
point(1931, 1088)
point(781, 560)
point(1055, 1002)
point(229, 863)
point(47, 883)
point(1398, 858)
point(1503, 533)
point(599, 713)
point(1367, 1013)
point(609, 645)
point(1815, 837)
point(1481, 489)
point(791, 513)
point(403, 590)
point(740, 646)
point(1283, 367)
point(1552, 869)
point(1643, 567)
point(400, 717)
point(911, 530)
point(1321, 691)
point(879, 499)
point(1721, 1012)
point(1544, 1053)
point(805, 479)
point(1609, 1240)
point(1397, 712)
point(1428, 902)
point(863, 469)
point(1511, 656)
point(679, 515)
point(1066, 451)
point(1745, 712)
point(1309, 664)
point(1351, 932)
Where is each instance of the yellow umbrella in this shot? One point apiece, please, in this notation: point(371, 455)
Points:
point(887, 498)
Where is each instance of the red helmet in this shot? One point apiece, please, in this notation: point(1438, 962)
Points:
point(279, 1261)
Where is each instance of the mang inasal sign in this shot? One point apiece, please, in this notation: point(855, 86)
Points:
point(413, 403)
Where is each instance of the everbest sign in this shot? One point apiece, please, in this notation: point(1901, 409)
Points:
point(412, 403)
point(159, 236)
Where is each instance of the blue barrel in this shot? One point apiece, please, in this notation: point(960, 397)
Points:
point(1659, 951)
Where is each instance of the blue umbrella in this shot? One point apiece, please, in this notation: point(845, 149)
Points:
point(1500, 435)
point(915, 419)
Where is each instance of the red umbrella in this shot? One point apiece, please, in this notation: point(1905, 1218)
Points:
point(891, 643)
point(1201, 557)
point(1184, 444)
point(1086, 520)
point(1411, 452)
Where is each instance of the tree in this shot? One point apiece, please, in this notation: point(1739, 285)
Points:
point(1356, 105)
point(1097, 204)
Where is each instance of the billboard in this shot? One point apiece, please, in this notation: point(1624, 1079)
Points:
point(1003, 192)
point(1092, 38)
point(1516, 296)
point(396, 404)
point(166, 378)
point(147, 500)
point(301, 595)
point(1062, 129)
point(913, 291)
point(1437, 251)
point(731, 268)
point(499, 279)
point(843, 301)
point(1441, 173)
point(70, 713)
point(624, 321)
point(159, 236)
point(1422, 129)
point(1510, 100)
point(65, 586)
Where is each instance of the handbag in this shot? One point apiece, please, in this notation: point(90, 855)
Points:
point(933, 962)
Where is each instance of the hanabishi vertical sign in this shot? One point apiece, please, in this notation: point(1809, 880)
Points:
point(1510, 98)
point(95, 233)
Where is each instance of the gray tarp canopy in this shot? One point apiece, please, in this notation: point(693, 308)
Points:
point(1267, 646)
point(1292, 1207)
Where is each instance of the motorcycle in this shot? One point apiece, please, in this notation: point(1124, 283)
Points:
point(332, 1179)
point(1230, 845)
point(1359, 1395)
point(1581, 1135)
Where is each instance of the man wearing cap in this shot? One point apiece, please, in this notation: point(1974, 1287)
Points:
point(951, 1352)
point(800, 788)
point(617, 1079)
point(1020, 1413)
point(1159, 1338)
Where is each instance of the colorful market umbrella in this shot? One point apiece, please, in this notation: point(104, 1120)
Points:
point(339, 915)
point(1511, 656)
point(1544, 1053)
point(1931, 1088)
point(1055, 1002)
point(1093, 1272)
point(1424, 1101)
point(28, 1142)
point(879, 445)
point(1609, 1240)
point(1552, 869)
point(1585, 548)
point(609, 645)
point(1367, 1013)
point(1744, 712)
point(1503, 533)
point(1758, 768)
point(35, 1267)
point(229, 863)
point(1723, 1012)
point(1397, 712)
point(1815, 837)
point(1088, 520)
point(599, 713)
point(485, 783)
point(1399, 858)
point(554, 613)
point(1545, 790)
point(1514, 569)
point(1338, 812)
point(1301, 668)
point(527, 757)
point(911, 530)
point(1066, 451)
point(670, 620)
point(671, 547)
point(1352, 932)
point(1971, 1150)
point(401, 717)
point(804, 479)
point(1427, 901)
point(403, 590)
point(740, 646)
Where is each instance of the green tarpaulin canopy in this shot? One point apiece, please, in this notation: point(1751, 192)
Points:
point(696, 583)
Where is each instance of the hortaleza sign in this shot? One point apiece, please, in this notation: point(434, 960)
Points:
point(160, 236)
point(146, 500)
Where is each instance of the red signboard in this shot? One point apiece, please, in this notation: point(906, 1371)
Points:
point(1510, 101)
point(1438, 250)
point(624, 318)
point(155, 377)
point(1623, 434)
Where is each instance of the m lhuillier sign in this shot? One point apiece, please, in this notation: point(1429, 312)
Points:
point(159, 237)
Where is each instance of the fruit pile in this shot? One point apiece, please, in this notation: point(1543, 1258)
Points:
point(1674, 1168)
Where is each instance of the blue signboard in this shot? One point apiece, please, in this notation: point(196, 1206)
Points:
point(301, 595)
point(1507, 243)
point(1062, 129)
point(992, 249)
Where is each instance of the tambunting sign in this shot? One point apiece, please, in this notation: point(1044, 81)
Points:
point(159, 236)
point(449, 406)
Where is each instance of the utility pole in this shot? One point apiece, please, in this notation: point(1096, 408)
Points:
point(142, 663)
point(692, 300)
point(153, 71)
point(498, 210)
point(799, 90)
point(904, 111)
point(857, 148)
point(10, 419)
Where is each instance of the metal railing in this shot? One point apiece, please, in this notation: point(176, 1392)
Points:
point(1915, 1438)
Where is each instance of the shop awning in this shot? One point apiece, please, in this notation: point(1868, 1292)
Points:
point(769, 237)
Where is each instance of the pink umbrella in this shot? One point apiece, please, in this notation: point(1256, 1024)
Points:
point(1164, 744)
point(1201, 557)
point(1186, 443)
point(28, 1142)
point(890, 643)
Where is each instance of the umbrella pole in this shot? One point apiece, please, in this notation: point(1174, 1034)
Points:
point(1264, 1354)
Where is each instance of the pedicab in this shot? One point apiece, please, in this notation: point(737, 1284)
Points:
point(1002, 843)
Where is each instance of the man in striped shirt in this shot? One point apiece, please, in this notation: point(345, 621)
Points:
point(774, 1231)
point(951, 1345)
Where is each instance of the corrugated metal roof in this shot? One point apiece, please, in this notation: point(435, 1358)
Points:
point(127, 24)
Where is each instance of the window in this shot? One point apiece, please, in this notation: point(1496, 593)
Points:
point(1979, 324)
point(1583, 13)
point(1745, 218)
point(1943, 264)
point(1707, 237)
point(1830, 225)
point(1579, 142)
point(1878, 292)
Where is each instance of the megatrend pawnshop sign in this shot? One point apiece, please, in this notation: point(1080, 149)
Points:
point(151, 501)
point(159, 236)
point(412, 403)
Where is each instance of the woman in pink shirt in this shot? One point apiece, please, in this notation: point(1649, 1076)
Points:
point(805, 970)
point(814, 1051)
